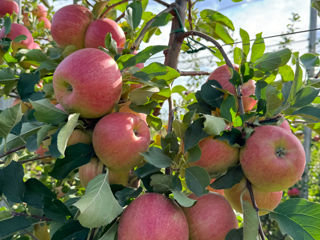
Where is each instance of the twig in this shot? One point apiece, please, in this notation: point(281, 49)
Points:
point(163, 3)
point(121, 16)
point(193, 73)
point(137, 42)
point(41, 218)
point(12, 151)
point(249, 187)
point(111, 7)
point(34, 159)
point(190, 14)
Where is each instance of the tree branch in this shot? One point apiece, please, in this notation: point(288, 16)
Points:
point(225, 56)
point(121, 16)
point(193, 73)
point(111, 7)
point(190, 14)
point(249, 187)
point(12, 151)
point(163, 3)
point(41, 218)
point(34, 159)
point(136, 44)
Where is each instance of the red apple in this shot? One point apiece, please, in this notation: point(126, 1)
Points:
point(89, 82)
point(216, 156)
point(273, 159)
point(98, 30)
point(8, 6)
point(210, 218)
point(69, 25)
point(265, 200)
point(47, 23)
point(89, 171)
point(153, 216)
point(285, 124)
point(223, 74)
point(294, 192)
point(17, 30)
point(126, 108)
point(80, 136)
point(40, 11)
point(119, 138)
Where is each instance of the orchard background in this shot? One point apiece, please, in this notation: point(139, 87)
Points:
point(47, 193)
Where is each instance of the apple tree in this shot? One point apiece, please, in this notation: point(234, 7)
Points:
point(86, 151)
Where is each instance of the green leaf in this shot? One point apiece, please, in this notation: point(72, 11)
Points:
point(258, 48)
point(141, 57)
point(20, 38)
point(161, 183)
point(211, 94)
point(125, 195)
point(66, 131)
point(274, 100)
point(11, 179)
point(14, 224)
point(235, 234)
point(197, 180)
point(26, 84)
point(111, 44)
point(145, 108)
point(7, 25)
point(223, 34)
point(9, 118)
point(305, 96)
point(299, 218)
point(36, 55)
point(154, 122)
point(7, 76)
point(309, 113)
point(142, 95)
point(213, 125)
point(161, 20)
point(237, 55)
point(179, 128)
point(211, 16)
point(145, 170)
point(194, 154)
point(194, 134)
point(182, 199)
point(286, 73)
point(245, 43)
point(94, 212)
point(309, 60)
point(297, 83)
point(71, 230)
point(157, 157)
point(271, 61)
point(111, 233)
point(233, 176)
point(250, 221)
point(134, 14)
point(228, 104)
point(47, 112)
point(75, 156)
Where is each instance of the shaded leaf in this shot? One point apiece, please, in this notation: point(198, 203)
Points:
point(72, 230)
point(9, 118)
point(197, 180)
point(271, 61)
point(250, 221)
point(157, 157)
point(194, 134)
point(182, 199)
point(233, 176)
point(14, 224)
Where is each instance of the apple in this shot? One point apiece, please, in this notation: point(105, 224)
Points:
point(17, 30)
point(25, 19)
point(80, 136)
point(89, 171)
point(97, 31)
point(294, 192)
point(69, 25)
point(273, 159)
point(210, 218)
point(88, 82)
point(125, 107)
point(8, 6)
point(216, 155)
point(153, 216)
point(46, 21)
point(264, 200)
point(223, 74)
point(285, 124)
point(40, 11)
point(119, 138)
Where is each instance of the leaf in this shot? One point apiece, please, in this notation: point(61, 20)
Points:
point(66, 131)
point(161, 183)
point(75, 156)
point(286, 73)
point(299, 218)
point(245, 43)
point(237, 55)
point(145, 170)
point(197, 180)
point(258, 48)
point(7, 25)
point(7, 76)
point(310, 113)
point(123, 196)
point(72, 230)
point(211, 94)
point(111, 44)
point(235, 234)
point(228, 104)
point(161, 20)
point(211, 17)
point(271, 61)
point(157, 157)
point(94, 212)
point(11, 182)
point(305, 96)
point(274, 100)
point(111, 233)
point(223, 34)
point(182, 199)
point(14, 224)
point(26, 84)
point(142, 95)
point(194, 154)
point(213, 125)
point(47, 112)
point(297, 83)
point(233, 176)
point(134, 14)
point(9, 118)
point(309, 60)
point(154, 122)
point(250, 221)
point(194, 134)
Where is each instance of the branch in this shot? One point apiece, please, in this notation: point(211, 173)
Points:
point(225, 56)
point(12, 151)
point(41, 218)
point(35, 159)
point(112, 6)
point(193, 73)
point(136, 44)
point(190, 14)
point(249, 187)
point(121, 16)
point(163, 3)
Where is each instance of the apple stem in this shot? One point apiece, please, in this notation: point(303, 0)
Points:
point(249, 187)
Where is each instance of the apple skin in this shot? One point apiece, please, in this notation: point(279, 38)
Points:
point(273, 159)
point(264, 200)
point(210, 218)
point(80, 136)
point(8, 6)
point(47, 23)
point(153, 216)
point(88, 82)
point(285, 124)
point(294, 192)
point(216, 156)
point(98, 30)
point(40, 11)
point(69, 25)
point(125, 108)
point(119, 138)
point(222, 75)
point(89, 171)
point(17, 30)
